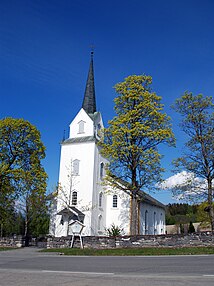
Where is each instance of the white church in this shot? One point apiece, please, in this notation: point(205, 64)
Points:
point(81, 194)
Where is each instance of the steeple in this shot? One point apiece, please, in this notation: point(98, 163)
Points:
point(89, 101)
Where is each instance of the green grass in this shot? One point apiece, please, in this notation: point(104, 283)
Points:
point(6, 248)
point(134, 251)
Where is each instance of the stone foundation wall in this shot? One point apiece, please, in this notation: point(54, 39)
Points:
point(88, 242)
point(202, 239)
point(16, 241)
point(196, 239)
point(99, 242)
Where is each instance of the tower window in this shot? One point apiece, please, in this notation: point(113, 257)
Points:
point(114, 203)
point(99, 222)
point(100, 199)
point(101, 170)
point(81, 126)
point(74, 198)
point(76, 163)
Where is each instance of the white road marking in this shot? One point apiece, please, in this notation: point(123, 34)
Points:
point(78, 272)
point(124, 275)
point(209, 275)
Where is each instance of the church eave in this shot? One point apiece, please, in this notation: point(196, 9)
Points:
point(79, 140)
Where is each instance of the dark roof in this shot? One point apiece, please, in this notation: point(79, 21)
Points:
point(79, 140)
point(144, 197)
point(150, 200)
point(89, 101)
point(72, 210)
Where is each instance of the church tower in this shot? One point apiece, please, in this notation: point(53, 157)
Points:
point(80, 194)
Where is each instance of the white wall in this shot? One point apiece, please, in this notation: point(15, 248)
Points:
point(88, 126)
point(155, 219)
point(119, 216)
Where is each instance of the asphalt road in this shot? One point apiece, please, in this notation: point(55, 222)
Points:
point(28, 267)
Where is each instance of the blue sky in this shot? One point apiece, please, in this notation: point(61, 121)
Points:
point(45, 53)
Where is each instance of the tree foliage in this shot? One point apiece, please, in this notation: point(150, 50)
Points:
point(198, 158)
point(22, 176)
point(202, 214)
point(131, 140)
point(180, 213)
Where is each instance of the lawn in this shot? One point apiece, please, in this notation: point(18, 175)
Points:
point(6, 248)
point(134, 251)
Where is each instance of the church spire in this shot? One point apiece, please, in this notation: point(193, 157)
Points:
point(89, 101)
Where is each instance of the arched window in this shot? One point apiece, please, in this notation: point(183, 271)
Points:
point(74, 198)
point(100, 199)
point(100, 222)
point(161, 223)
point(81, 126)
point(146, 222)
point(155, 223)
point(76, 166)
point(114, 203)
point(101, 170)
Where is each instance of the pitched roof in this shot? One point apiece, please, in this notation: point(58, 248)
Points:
point(150, 200)
point(143, 196)
point(79, 140)
point(72, 210)
point(89, 101)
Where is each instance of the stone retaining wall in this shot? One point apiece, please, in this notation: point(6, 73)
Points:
point(169, 240)
point(15, 241)
point(88, 242)
point(196, 239)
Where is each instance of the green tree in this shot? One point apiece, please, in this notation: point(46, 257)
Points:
point(7, 217)
point(198, 158)
point(22, 176)
point(7, 198)
point(181, 213)
point(191, 228)
point(131, 140)
point(38, 216)
point(203, 214)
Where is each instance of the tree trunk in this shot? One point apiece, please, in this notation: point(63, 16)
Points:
point(1, 232)
point(212, 218)
point(134, 215)
point(26, 230)
point(210, 202)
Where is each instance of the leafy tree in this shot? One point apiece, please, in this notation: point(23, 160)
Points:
point(198, 158)
point(179, 213)
point(203, 213)
point(7, 217)
point(131, 140)
point(170, 219)
point(6, 207)
point(22, 176)
point(19, 222)
point(39, 217)
point(191, 227)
